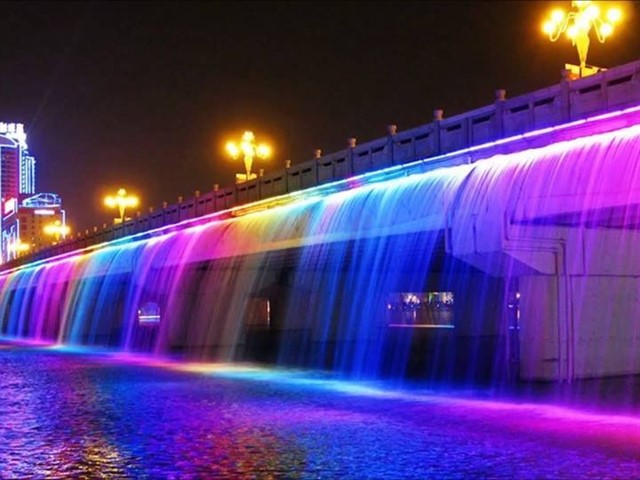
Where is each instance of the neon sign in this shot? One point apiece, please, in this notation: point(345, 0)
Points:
point(10, 206)
point(14, 131)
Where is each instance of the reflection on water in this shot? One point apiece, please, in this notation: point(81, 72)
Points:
point(70, 415)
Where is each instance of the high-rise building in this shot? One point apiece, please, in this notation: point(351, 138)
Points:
point(27, 174)
point(20, 169)
point(9, 194)
point(23, 213)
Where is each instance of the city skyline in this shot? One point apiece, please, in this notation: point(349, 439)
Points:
point(144, 96)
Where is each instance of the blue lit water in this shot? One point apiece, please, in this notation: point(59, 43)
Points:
point(71, 415)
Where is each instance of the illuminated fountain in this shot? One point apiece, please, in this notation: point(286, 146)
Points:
point(436, 275)
point(518, 265)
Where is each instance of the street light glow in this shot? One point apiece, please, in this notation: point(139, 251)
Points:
point(578, 24)
point(121, 201)
point(614, 15)
point(19, 246)
point(249, 149)
point(557, 16)
point(232, 149)
point(56, 229)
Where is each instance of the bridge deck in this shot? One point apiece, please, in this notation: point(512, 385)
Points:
point(466, 137)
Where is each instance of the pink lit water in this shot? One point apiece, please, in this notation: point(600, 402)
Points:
point(71, 415)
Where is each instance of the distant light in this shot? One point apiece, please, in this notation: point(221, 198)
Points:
point(614, 15)
point(557, 15)
point(263, 151)
point(19, 246)
point(232, 149)
point(592, 12)
point(56, 228)
point(121, 201)
point(10, 206)
point(44, 211)
point(248, 149)
point(606, 29)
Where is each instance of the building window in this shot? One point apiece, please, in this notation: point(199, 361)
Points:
point(149, 314)
point(258, 313)
point(420, 310)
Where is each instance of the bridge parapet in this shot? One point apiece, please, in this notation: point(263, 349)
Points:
point(568, 101)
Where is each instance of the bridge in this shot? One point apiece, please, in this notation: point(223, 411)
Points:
point(500, 243)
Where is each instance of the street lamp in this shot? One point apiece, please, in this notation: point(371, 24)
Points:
point(18, 247)
point(121, 201)
point(57, 230)
point(577, 25)
point(249, 149)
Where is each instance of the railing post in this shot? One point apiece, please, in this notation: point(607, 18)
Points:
point(391, 141)
point(287, 166)
point(317, 153)
point(565, 96)
point(437, 118)
point(260, 175)
point(498, 123)
point(216, 187)
point(164, 212)
point(351, 144)
point(196, 194)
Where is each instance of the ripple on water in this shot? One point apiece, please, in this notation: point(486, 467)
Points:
point(73, 416)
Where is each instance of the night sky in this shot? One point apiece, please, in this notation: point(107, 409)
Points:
point(144, 95)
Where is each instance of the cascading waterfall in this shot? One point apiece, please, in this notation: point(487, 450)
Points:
point(520, 265)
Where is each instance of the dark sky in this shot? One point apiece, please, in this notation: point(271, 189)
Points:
point(144, 95)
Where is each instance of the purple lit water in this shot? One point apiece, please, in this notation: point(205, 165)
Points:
point(70, 415)
point(555, 227)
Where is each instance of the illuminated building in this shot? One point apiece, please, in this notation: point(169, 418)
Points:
point(21, 167)
point(27, 173)
point(10, 149)
point(24, 214)
point(37, 212)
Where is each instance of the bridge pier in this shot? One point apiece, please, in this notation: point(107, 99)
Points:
point(579, 294)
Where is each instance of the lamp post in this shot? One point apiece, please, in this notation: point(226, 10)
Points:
point(249, 149)
point(578, 24)
point(121, 201)
point(56, 230)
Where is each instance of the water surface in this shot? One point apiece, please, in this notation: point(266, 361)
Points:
point(66, 414)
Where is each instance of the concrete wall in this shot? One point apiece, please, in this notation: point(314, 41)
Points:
point(579, 303)
point(606, 323)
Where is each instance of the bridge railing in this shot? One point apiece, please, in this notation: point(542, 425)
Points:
point(570, 100)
